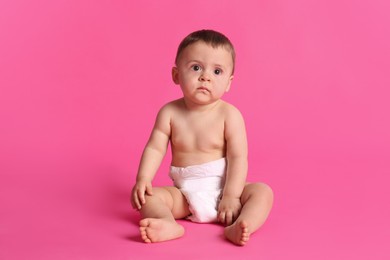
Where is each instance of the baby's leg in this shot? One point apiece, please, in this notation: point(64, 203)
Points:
point(256, 200)
point(159, 214)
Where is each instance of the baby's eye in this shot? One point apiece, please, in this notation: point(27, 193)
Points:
point(196, 67)
point(217, 71)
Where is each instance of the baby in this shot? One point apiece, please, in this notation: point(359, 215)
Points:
point(209, 151)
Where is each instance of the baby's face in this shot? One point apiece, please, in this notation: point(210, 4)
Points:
point(203, 72)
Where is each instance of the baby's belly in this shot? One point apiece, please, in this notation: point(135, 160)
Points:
point(184, 159)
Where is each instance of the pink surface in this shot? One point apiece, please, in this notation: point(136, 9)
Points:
point(81, 82)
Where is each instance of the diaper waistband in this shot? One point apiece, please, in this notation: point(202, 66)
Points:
point(215, 168)
point(206, 176)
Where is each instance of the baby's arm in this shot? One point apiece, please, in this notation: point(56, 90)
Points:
point(152, 156)
point(237, 167)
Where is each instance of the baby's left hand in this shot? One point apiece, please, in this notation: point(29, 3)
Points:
point(228, 210)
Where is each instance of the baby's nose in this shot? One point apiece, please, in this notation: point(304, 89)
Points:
point(204, 77)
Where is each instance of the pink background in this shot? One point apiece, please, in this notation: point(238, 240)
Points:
point(82, 81)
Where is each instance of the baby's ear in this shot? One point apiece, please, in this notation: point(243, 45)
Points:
point(230, 83)
point(175, 75)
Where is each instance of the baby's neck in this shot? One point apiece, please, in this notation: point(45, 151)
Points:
point(192, 107)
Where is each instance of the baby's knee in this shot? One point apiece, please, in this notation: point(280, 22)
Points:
point(261, 190)
point(265, 188)
point(266, 191)
point(161, 194)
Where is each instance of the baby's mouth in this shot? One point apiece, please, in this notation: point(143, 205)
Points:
point(204, 89)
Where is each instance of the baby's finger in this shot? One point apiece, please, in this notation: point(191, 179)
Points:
point(234, 216)
point(139, 202)
point(134, 201)
point(221, 217)
point(141, 197)
point(229, 218)
point(149, 190)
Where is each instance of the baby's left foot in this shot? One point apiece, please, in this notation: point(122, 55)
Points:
point(238, 233)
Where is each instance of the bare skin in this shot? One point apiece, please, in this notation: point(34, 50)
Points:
point(257, 199)
point(159, 230)
point(200, 128)
point(158, 223)
point(168, 203)
point(238, 233)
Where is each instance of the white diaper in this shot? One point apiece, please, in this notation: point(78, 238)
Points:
point(202, 186)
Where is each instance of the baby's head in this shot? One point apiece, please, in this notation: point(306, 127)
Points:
point(213, 38)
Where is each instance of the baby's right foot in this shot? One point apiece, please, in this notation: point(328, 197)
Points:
point(158, 230)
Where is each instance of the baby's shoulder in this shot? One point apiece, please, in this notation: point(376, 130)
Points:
point(171, 107)
point(229, 110)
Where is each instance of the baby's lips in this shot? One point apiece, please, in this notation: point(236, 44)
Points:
point(204, 88)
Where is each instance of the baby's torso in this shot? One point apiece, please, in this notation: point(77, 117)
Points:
point(197, 137)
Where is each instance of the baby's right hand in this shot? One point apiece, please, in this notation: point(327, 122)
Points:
point(138, 193)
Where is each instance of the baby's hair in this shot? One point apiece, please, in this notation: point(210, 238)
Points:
point(214, 38)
